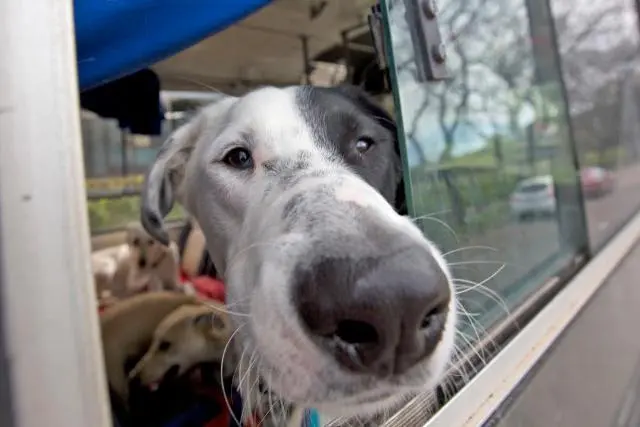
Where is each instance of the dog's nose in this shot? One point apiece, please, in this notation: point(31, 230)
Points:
point(142, 263)
point(377, 316)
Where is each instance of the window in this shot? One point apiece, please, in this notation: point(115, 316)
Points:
point(598, 45)
point(492, 172)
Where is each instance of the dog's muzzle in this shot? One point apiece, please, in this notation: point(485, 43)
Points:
point(377, 315)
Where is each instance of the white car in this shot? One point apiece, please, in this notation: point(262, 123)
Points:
point(533, 196)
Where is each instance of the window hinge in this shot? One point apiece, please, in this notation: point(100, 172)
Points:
point(429, 48)
point(377, 35)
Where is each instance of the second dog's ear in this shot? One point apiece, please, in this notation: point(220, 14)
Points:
point(165, 178)
point(210, 321)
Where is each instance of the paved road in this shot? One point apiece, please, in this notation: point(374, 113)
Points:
point(606, 214)
point(522, 246)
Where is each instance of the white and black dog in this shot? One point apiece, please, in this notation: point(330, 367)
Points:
point(340, 302)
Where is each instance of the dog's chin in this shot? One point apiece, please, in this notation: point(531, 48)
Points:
point(335, 392)
point(366, 407)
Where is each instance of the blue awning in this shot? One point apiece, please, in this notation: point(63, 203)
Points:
point(118, 37)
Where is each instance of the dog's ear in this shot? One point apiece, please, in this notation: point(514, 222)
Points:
point(377, 112)
point(211, 322)
point(163, 182)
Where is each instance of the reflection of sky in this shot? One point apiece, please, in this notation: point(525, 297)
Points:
point(486, 111)
point(470, 135)
point(502, 25)
point(429, 137)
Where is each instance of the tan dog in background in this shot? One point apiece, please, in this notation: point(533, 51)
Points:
point(140, 264)
point(190, 335)
point(128, 328)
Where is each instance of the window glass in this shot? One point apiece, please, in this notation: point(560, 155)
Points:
point(492, 174)
point(598, 44)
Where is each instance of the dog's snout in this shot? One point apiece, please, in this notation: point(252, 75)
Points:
point(379, 316)
point(142, 263)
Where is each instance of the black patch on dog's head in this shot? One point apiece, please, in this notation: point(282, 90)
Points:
point(339, 116)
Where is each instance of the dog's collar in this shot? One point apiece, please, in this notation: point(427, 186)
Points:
point(311, 418)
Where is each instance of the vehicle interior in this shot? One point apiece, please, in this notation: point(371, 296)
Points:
point(518, 132)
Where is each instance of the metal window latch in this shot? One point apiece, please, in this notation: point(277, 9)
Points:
point(377, 35)
point(429, 48)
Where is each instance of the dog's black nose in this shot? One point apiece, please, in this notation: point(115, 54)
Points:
point(378, 315)
point(142, 263)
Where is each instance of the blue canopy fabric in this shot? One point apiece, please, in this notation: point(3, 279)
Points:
point(118, 37)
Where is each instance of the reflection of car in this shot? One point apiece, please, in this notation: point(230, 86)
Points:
point(596, 181)
point(533, 196)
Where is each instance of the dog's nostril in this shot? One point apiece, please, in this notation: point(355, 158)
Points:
point(427, 321)
point(356, 332)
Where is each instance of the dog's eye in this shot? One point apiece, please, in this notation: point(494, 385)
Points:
point(164, 346)
point(363, 145)
point(239, 158)
point(136, 242)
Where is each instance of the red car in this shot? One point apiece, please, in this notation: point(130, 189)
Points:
point(596, 181)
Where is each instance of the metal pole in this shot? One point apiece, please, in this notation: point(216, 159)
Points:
point(347, 56)
point(305, 58)
point(48, 301)
point(124, 156)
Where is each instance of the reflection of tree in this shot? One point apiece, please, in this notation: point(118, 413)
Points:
point(458, 109)
point(451, 101)
point(599, 45)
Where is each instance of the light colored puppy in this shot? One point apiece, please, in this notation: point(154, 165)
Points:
point(127, 331)
point(140, 264)
point(190, 335)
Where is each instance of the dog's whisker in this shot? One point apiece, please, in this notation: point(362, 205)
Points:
point(479, 331)
point(254, 404)
point(224, 393)
point(473, 327)
point(284, 413)
point(482, 283)
point(457, 263)
point(441, 222)
point(239, 368)
point(244, 250)
point(270, 394)
point(236, 371)
point(240, 301)
point(232, 313)
point(246, 375)
point(469, 248)
point(472, 323)
point(490, 293)
point(201, 84)
point(474, 350)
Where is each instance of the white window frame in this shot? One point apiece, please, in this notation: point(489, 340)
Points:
point(50, 319)
point(478, 400)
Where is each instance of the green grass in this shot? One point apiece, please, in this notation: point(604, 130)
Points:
point(113, 213)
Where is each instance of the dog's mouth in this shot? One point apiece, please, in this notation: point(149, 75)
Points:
point(171, 375)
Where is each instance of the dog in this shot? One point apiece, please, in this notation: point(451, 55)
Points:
point(189, 335)
point(127, 329)
point(340, 302)
point(140, 264)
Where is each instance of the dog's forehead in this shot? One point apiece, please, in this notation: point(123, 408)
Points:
point(284, 121)
point(273, 122)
